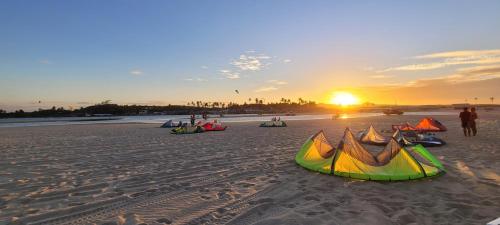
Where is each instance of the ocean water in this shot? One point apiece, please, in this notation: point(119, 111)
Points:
point(159, 119)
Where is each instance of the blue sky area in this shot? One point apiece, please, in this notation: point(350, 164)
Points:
point(75, 53)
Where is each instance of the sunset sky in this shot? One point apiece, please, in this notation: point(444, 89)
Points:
point(76, 53)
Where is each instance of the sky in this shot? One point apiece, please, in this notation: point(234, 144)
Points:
point(77, 53)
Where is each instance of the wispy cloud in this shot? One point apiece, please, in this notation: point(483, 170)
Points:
point(480, 72)
point(464, 75)
point(381, 76)
point(479, 57)
point(45, 61)
point(230, 74)
point(251, 62)
point(204, 67)
point(197, 79)
point(414, 67)
point(277, 82)
point(287, 60)
point(266, 89)
point(136, 72)
point(441, 90)
point(460, 54)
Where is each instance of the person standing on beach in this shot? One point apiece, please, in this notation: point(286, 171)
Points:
point(472, 121)
point(193, 117)
point(465, 117)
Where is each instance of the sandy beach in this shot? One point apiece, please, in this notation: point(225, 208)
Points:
point(141, 174)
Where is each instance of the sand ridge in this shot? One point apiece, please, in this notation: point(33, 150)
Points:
point(140, 174)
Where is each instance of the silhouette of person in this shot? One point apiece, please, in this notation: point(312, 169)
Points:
point(472, 120)
point(465, 117)
point(192, 119)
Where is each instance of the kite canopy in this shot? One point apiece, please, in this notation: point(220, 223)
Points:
point(429, 124)
point(351, 159)
point(371, 136)
point(187, 130)
point(414, 138)
point(273, 124)
point(401, 139)
point(212, 126)
point(170, 124)
point(403, 127)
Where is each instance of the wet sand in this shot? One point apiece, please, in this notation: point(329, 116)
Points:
point(141, 174)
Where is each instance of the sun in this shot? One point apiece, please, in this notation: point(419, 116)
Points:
point(343, 99)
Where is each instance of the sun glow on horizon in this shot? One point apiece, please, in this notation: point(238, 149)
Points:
point(343, 99)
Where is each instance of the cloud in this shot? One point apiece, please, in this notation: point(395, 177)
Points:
point(136, 72)
point(251, 62)
point(277, 82)
point(480, 72)
point(45, 61)
point(441, 90)
point(287, 60)
point(478, 57)
point(381, 76)
point(266, 89)
point(204, 67)
point(229, 74)
point(460, 54)
point(197, 79)
point(414, 67)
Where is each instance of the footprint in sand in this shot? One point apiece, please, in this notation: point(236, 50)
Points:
point(314, 213)
point(130, 219)
point(205, 197)
point(223, 195)
point(164, 221)
point(109, 223)
point(312, 198)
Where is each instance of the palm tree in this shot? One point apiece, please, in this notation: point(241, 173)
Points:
point(492, 98)
point(301, 101)
point(475, 100)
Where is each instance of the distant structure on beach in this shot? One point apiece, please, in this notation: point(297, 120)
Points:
point(393, 111)
point(460, 105)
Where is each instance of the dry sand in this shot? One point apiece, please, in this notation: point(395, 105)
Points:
point(140, 174)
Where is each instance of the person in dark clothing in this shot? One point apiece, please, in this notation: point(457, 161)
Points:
point(465, 117)
point(472, 120)
point(193, 118)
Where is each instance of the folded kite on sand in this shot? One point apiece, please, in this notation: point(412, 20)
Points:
point(351, 159)
point(408, 138)
point(213, 126)
point(273, 124)
point(405, 126)
point(187, 130)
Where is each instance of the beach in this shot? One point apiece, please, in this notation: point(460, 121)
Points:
point(141, 174)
